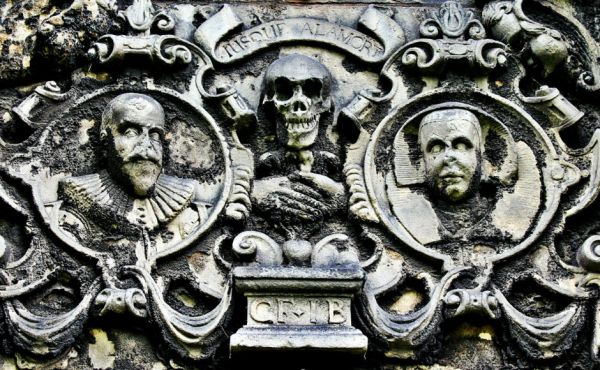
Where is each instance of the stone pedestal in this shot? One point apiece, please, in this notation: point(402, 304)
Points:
point(294, 308)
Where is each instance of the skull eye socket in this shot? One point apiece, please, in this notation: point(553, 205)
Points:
point(312, 88)
point(283, 88)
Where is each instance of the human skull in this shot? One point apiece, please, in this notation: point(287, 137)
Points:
point(299, 88)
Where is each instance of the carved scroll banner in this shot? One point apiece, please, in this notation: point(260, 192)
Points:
point(218, 38)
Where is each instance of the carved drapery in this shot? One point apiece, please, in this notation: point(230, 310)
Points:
point(236, 184)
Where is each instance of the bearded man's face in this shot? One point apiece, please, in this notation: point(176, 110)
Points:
point(135, 144)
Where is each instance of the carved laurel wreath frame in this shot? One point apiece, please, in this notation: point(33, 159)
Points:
point(376, 124)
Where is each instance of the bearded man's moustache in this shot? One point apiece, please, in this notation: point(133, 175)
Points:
point(141, 157)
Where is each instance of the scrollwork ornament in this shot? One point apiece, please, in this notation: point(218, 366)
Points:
point(452, 21)
point(117, 208)
point(427, 167)
point(228, 180)
point(174, 53)
point(588, 255)
point(426, 55)
point(451, 36)
point(141, 17)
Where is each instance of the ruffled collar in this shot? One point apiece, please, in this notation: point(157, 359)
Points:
point(100, 198)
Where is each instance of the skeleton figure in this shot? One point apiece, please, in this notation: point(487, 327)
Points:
point(299, 89)
point(298, 186)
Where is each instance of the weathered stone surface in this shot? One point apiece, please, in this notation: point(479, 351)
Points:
point(400, 184)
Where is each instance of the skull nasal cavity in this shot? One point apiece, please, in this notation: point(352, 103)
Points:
point(299, 107)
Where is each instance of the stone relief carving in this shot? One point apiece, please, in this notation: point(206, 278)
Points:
point(431, 182)
point(131, 192)
point(296, 184)
point(360, 184)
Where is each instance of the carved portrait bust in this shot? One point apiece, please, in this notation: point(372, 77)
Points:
point(451, 144)
point(131, 194)
point(446, 188)
point(132, 128)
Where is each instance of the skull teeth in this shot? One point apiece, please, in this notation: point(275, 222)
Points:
point(301, 124)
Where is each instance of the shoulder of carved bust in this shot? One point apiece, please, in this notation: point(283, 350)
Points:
point(85, 191)
point(197, 208)
point(74, 224)
point(203, 207)
point(177, 191)
point(189, 219)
